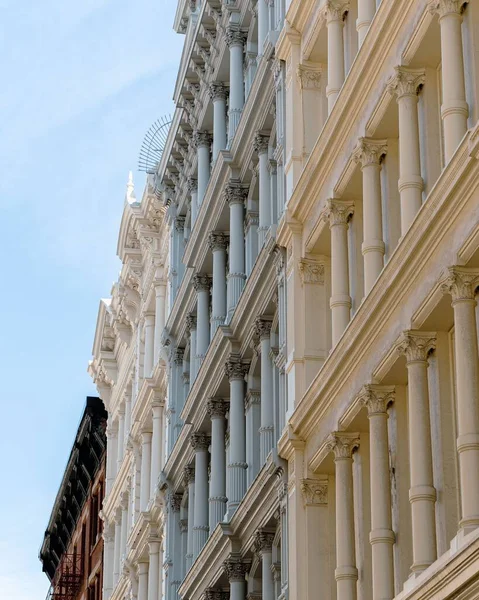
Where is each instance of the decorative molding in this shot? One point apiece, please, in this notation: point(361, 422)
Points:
point(309, 77)
point(416, 345)
point(461, 283)
point(311, 271)
point(315, 492)
point(406, 81)
point(370, 151)
point(338, 212)
point(376, 398)
point(342, 444)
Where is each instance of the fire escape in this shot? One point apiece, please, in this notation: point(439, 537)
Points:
point(67, 580)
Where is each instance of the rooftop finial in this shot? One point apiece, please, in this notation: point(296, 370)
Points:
point(130, 189)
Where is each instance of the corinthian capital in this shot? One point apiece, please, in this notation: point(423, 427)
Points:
point(369, 151)
point(343, 444)
point(416, 345)
point(309, 77)
point(216, 408)
point(190, 321)
point(174, 501)
point(201, 282)
point(335, 10)
point(315, 491)
point(217, 240)
point(199, 441)
point(263, 327)
point(376, 398)
point(260, 142)
point(217, 91)
point(263, 540)
point(235, 569)
point(235, 368)
point(446, 7)
point(236, 193)
point(192, 185)
point(460, 283)
point(338, 212)
point(406, 81)
point(234, 37)
point(188, 475)
point(178, 356)
point(201, 138)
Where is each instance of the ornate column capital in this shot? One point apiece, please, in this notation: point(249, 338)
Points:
point(217, 91)
point(370, 151)
point(262, 327)
point(460, 283)
point(235, 569)
point(309, 77)
point(192, 185)
point(190, 321)
point(235, 368)
point(416, 345)
point(236, 193)
point(263, 541)
point(315, 491)
point(183, 525)
point(174, 502)
point(201, 138)
point(335, 10)
point(338, 212)
point(234, 37)
point(188, 475)
point(376, 398)
point(311, 271)
point(343, 444)
point(406, 81)
point(199, 441)
point(179, 224)
point(214, 594)
point(217, 240)
point(446, 7)
point(178, 356)
point(260, 142)
point(201, 282)
point(216, 408)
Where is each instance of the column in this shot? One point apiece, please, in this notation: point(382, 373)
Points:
point(142, 581)
point(149, 343)
point(156, 445)
point(405, 85)
point(184, 545)
point(261, 143)
point(178, 387)
point(235, 42)
point(235, 371)
point(236, 570)
point(338, 213)
point(335, 11)
point(263, 331)
point(117, 547)
point(175, 546)
point(376, 399)
point(216, 409)
point(127, 418)
point(202, 284)
point(121, 436)
point(263, 544)
point(191, 326)
point(217, 92)
point(145, 469)
point(154, 568)
point(342, 444)
point(200, 442)
point(454, 109)
point(461, 284)
point(108, 560)
point(369, 154)
point(263, 24)
point(235, 196)
point(160, 314)
point(202, 140)
point(217, 242)
point(189, 478)
point(124, 524)
point(416, 345)
point(366, 12)
point(192, 186)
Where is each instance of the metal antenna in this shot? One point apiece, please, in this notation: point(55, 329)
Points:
point(153, 145)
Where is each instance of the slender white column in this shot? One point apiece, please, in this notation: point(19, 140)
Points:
point(235, 195)
point(136, 482)
point(192, 185)
point(189, 477)
point(111, 462)
point(376, 399)
point(217, 242)
point(236, 570)
point(177, 374)
point(108, 560)
point(236, 371)
point(217, 92)
point(121, 436)
point(124, 524)
point(200, 442)
point(235, 41)
point(338, 213)
point(454, 109)
point(335, 11)
point(156, 445)
point(127, 417)
point(366, 12)
point(191, 327)
point(142, 581)
point(461, 284)
point(202, 140)
point(263, 25)
point(149, 343)
point(117, 547)
point(263, 331)
point(175, 572)
point(145, 469)
point(342, 444)
point(369, 154)
point(261, 143)
point(416, 345)
point(405, 85)
point(264, 546)
point(160, 314)
point(202, 284)
point(216, 409)
point(154, 569)
point(184, 543)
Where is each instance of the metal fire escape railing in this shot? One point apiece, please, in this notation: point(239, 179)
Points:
point(67, 578)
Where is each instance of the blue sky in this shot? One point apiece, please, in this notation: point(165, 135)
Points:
point(81, 84)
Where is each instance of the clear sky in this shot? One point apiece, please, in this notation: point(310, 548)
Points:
point(81, 83)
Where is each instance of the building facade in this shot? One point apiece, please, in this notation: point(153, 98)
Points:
point(72, 548)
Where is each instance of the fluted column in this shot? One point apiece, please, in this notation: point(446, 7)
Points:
point(154, 569)
point(117, 547)
point(236, 570)
point(143, 580)
point(263, 24)
point(192, 185)
point(261, 143)
point(200, 442)
point(191, 326)
point(121, 436)
point(454, 109)
point(461, 284)
point(369, 154)
point(160, 314)
point(202, 141)
point(266, 432)
point(189, 478)
point(338, 213)
point(124, 524)
point(145, 469)
point(149, 343)
point(202, 284)
point(217, 242)
point(376, 399)
point(156, 445)
point(216, 409)
point(235, 371)
point(334, 11)
point(217, 92)
point(416, 345)
point(178, 387)
point(235, 41)
point(366, 12)
point(263, 544)
point(235, 196)
point(405, 85)
point(342, 444)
